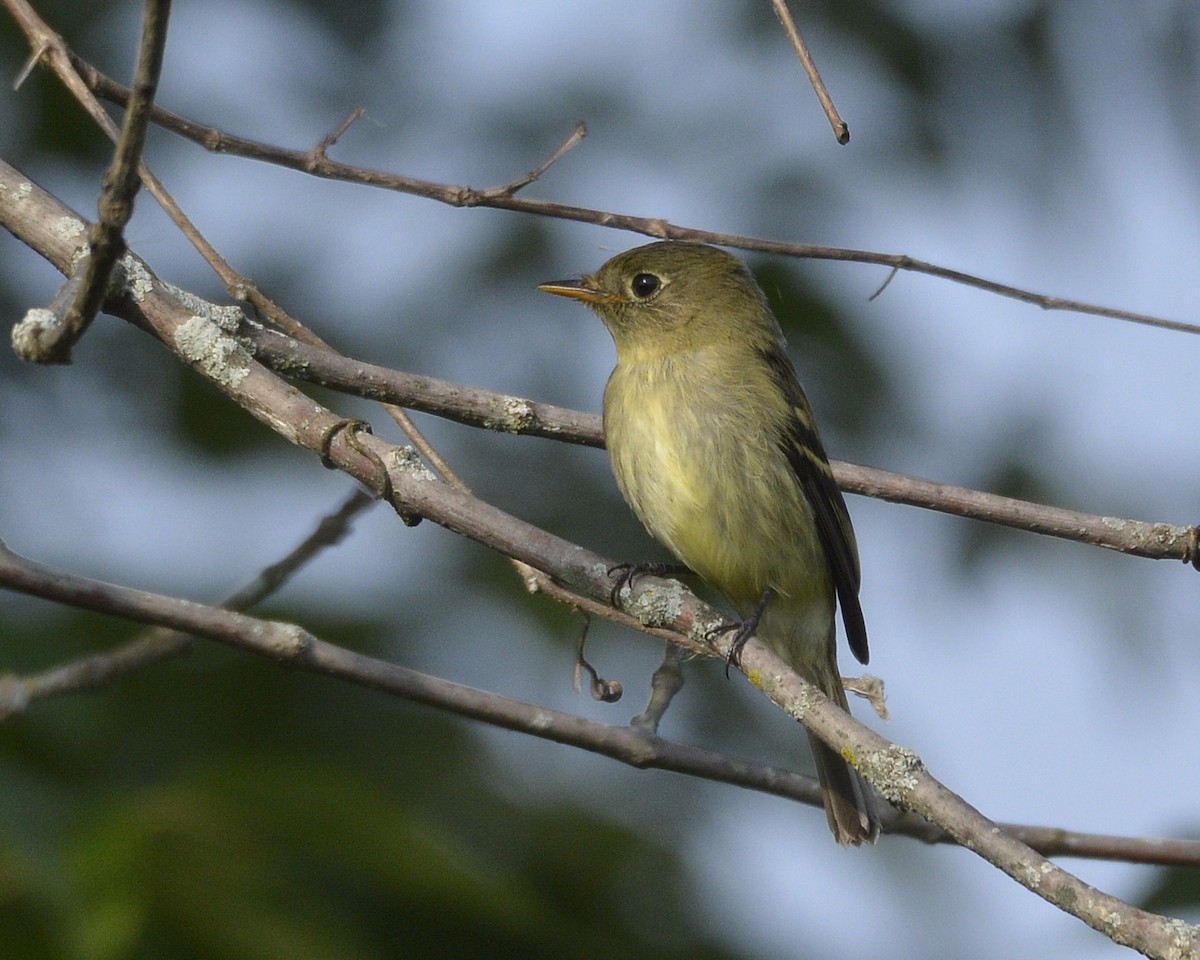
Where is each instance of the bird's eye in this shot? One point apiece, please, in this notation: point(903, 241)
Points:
point(645, 285)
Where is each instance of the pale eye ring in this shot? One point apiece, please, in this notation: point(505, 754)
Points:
point(645, 285)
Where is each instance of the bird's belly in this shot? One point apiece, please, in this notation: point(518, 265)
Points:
point(722, 498)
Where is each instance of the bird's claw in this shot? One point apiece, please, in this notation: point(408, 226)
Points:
point(744, 631)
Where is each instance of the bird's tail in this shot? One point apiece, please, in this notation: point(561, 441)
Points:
point(803, 635)
point(848, 801)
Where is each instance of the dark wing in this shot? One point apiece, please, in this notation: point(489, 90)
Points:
point(805, 452)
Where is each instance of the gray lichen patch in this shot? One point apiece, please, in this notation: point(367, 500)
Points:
point(893, 772)
point(659, 604)
point(407, 460)
point(512, 415)
point(137, 279)
point(30, 332)
point(68, 228)
point(217, 355)
point(229, 318)
point(18, 193)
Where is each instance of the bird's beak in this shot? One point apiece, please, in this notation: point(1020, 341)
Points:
point(579, 288)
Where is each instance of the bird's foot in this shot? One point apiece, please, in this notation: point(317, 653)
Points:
point(744, 631)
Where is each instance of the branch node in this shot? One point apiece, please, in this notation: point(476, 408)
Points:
point(354, 429)
point(1192, 551)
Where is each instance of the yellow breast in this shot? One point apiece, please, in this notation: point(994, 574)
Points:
point(702, 469)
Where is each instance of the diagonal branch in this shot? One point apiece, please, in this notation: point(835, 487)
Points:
point(897, 773)
point(478, 407)
point(635, 745)
point(840, 130)
point(29, 214)
point(119, 187)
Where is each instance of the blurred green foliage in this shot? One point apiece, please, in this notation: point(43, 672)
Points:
point(217, 807)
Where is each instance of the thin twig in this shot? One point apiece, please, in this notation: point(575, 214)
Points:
point(331, 530)
point(218, 141)
point(607, 691)
point(666, 682)
point(118, 188)
point(573, 140)
point(29, 66)
point(840, 130)
point(334, 136)
point(121, 181)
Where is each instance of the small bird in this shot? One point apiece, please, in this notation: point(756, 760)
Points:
point(715, 448)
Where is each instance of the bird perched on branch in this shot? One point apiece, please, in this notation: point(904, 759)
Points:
point(714, 446)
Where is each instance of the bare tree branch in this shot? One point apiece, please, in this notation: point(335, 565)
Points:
point(896, 772)
point(172, 634)
point(840, 129)
point(478, 407)
point(50, 48)
point(27, 211)
point(290, 644)
point(318, 165)
point(120, 184)
point(643, 751)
